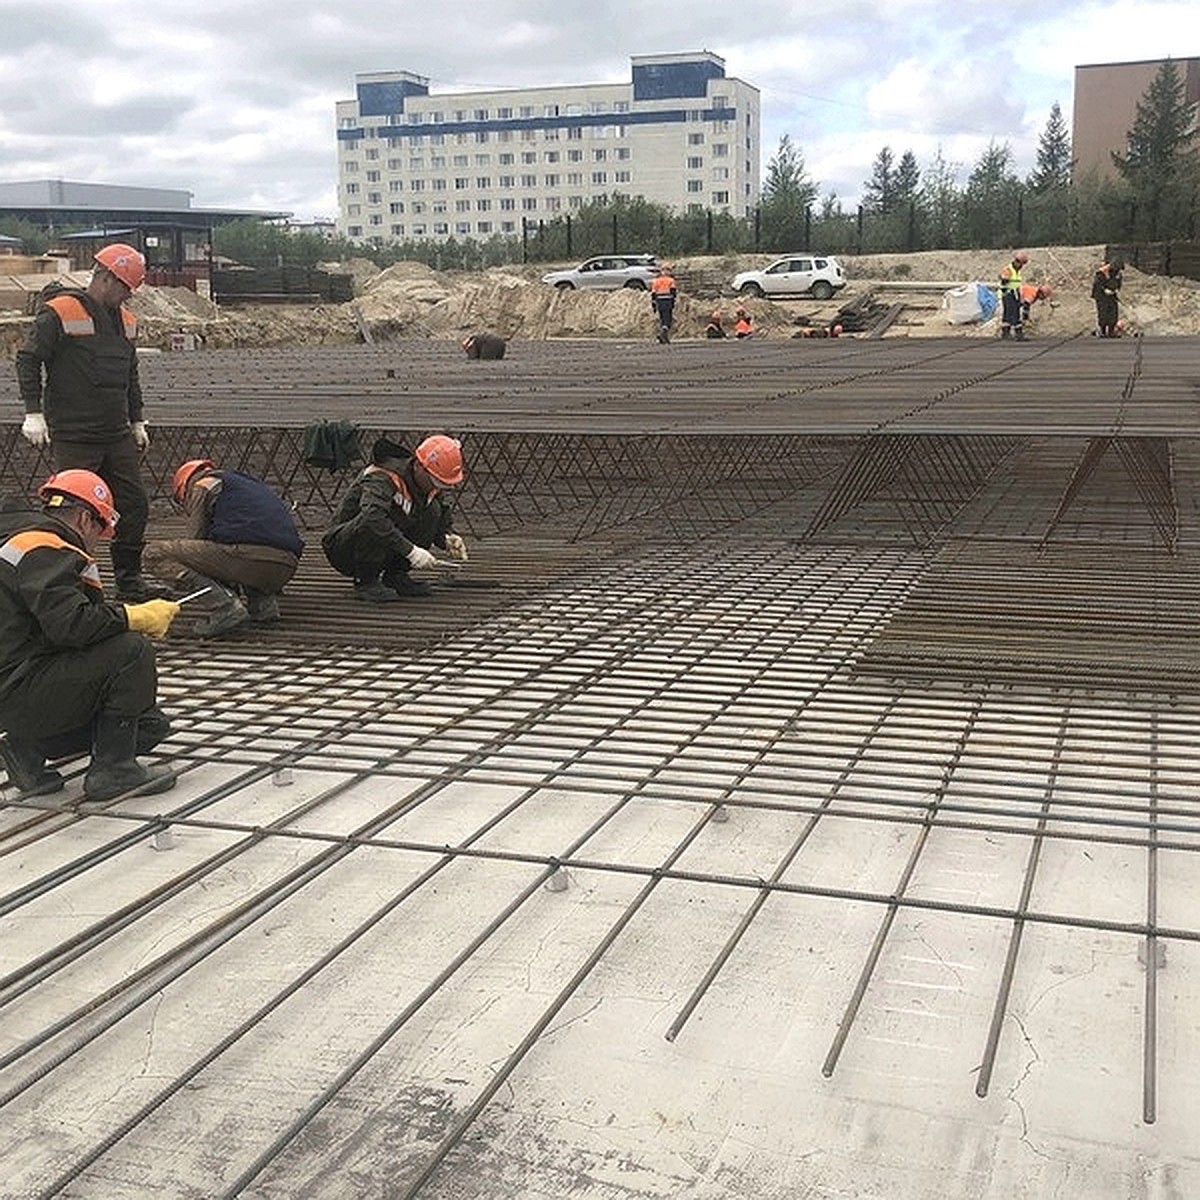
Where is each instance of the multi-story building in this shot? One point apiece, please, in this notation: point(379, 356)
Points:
point(1106, 101)
point(413, 165)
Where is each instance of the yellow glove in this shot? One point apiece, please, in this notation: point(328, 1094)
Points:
point(152, 618)
point(456, 547)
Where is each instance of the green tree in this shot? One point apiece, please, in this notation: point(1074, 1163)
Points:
point(879, 192)
point(941, 204)
point(1053, 170)
point(1159, 165)
point(993, 199)
point(787, 198)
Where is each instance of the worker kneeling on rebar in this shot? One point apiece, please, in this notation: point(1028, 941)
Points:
point(76, 672)
point(240, 550)
point(391, 516)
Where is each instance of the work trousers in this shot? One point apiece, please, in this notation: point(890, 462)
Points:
point(118, 464)
point(54, 702)
point(1010, 309)
point(263, 568)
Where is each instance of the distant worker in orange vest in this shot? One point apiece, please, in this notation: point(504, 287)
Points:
point(90, 412)
point(1031, 293)
point(716, 325)
point(743, 327)
point(662, 298)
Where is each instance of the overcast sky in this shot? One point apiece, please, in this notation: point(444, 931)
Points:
point(233, 100)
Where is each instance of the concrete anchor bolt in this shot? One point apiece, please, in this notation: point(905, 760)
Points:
point(557, 882)
point(283, 777)
point(164, 839)
point(720, 814)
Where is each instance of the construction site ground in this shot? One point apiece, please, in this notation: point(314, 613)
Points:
point(793, 795)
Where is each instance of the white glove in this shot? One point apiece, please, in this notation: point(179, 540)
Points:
point(34, 430)
point(456, 547)
point(419, 557)
point(141, 435)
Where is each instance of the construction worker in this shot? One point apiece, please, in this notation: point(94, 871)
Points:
point(1106, 283)
point(241, 547)
point(392, 514)
point(1030, 294)
point(1011, 323)
point(76, 670)
point(743, 326)
point(716, 325)
point(662, 300)
point(90, 411)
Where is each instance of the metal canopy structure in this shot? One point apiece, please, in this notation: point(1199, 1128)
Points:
point(798, 806)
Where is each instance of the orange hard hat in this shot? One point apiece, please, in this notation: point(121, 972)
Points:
point(1021, 257)
point(183, 476)
point(87, 489)
point(126, 263)
point(442, 457)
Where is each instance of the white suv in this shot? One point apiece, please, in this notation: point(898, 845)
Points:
point(607, 272)
point(813, 275)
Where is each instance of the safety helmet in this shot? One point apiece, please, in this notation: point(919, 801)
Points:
point(183, 476)
point(1021, 257)
point(126, 263)
point(442, 457)
point(86, 488)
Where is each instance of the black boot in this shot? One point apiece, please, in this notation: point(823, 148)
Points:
point(26, 767)
point(263, 607)
point(403, 584)
point(152, 728)
point(223, 610)
point(114, 771)
point(371, 591)
point(137, 589)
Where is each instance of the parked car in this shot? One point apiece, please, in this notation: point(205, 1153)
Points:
point(813, 275)
point(607, 272)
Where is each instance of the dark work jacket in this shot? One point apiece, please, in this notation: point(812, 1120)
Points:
point(239, 509)
point(92, 392)
point(51, 597)
point(384, 508)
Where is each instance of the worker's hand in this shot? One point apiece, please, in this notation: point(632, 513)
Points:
point(419, 557)
point(456, 547)
point(141, 435)
point(152, 618)
point(35, 430)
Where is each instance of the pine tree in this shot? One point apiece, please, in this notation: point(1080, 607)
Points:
point(788, 195)
point(908, 178)
point(1159, 165)
point(1053, 170)
point(879, 192)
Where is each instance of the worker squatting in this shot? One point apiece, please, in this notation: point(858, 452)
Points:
point(78, 670)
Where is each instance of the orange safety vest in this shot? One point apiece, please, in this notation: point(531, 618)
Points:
point(22, 543)
point(77, 321)
point(662, 285)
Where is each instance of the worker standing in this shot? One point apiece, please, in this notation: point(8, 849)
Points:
point(1011, 323)
point(241, 547)
point(662, 299)
point(1106, 284)
point(75, 670)
point(90, 410)
point(392, 514)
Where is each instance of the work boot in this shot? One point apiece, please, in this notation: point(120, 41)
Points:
point(26, 767)
point(152, 728)
point(1019, 333)
point(114, 769)
point(263, 607)
point(371, 591)
point(137, 589)
point(223, 611)
point(403, 584)
point(1005, 331)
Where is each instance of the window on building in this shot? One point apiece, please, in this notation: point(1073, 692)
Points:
point(484, 227)
point(599, 178)
point(552, 135)
point(396, 207)
point(373, 176)
point(436, 185)
point(481, 114)
point(504, 135)
point(461, 183)
point(352, 145)
point(483, 206)
point(374, 198)
point(354, 231)
point(621, 106)
point(507, 204)
point(550, 110)
point(375, 219)
point(351, 189)
point(550, 181)
point(599, 155)
point(372, 154)
point(529, 181)
point(397, 231)
point(396, 185)
point(438, 162)
point(527, 110)
point(695, 163)
point(621, 176)
point(574, 178)
point(575, 133)
point(350, 167)
point(418, 230)
point(415, 118)
point(461, 160)
point(418, 207)
point(553, 204)
point(508, 227)
point(441, 227)
point(483, 160)
point(695, 185)
point(507, 160)
point(483, 182)
point(720, 150)
point(504, 114)
point(418, 185)
point(355, 210)
point(623, 153)
point(437, 139)
point(720, 102)
point(720, 197)
point(529, 204)
point(394, 164)
point(436, 117)
point(529, 157)
point(599, 133)
point(482, 135)
point(574, 201)
point(551, 156)
point(438, 206)
point(462, 206)
point(529, 135)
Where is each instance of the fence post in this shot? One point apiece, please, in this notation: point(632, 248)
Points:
point(614, 233)
point(859, 224)
point(708, 232)
point(524, 239)
point(912, 226)
point(570, 253)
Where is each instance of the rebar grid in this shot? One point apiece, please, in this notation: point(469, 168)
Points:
point(679, 733)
